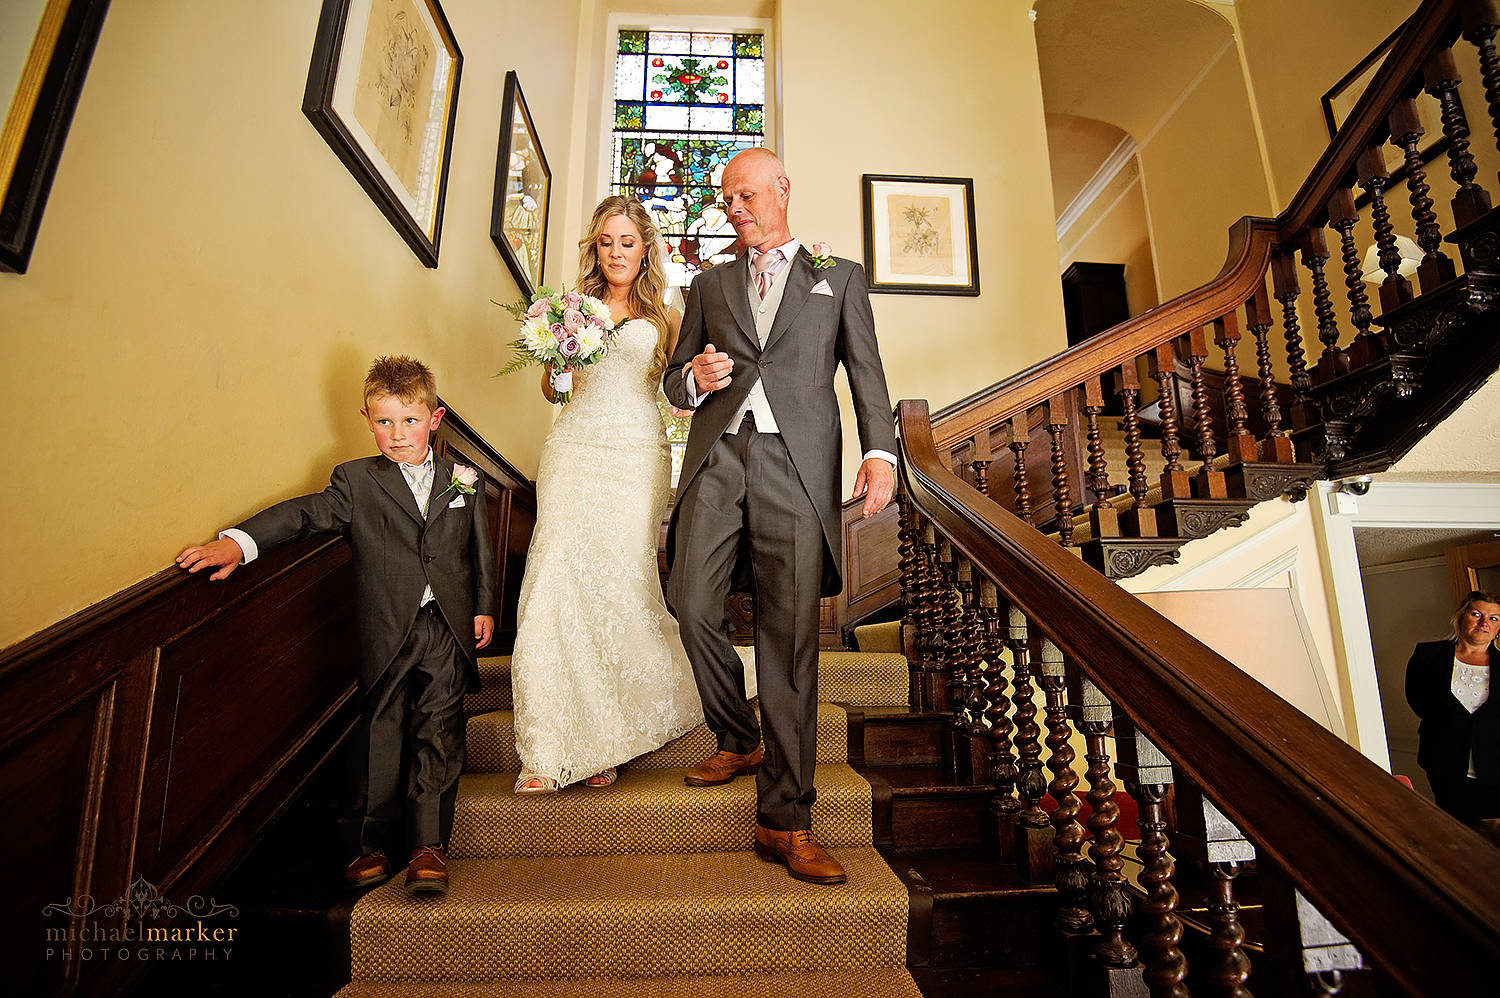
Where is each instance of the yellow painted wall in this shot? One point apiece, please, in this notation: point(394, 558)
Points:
point(210, 284)
point(975, 112)
point(1116, 232)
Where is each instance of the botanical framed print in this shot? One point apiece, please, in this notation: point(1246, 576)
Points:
point(523, 184)
point(44, 75)
point(919, 235)
point(382, 90)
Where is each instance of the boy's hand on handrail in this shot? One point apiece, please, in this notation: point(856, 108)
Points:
point(223, 554)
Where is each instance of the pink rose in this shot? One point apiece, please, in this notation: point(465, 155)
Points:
point(465, 475)
point(559, 331)
point(538, 308)
point(573, 298)
point(573, 320)
point(822, 249)
point(568, 346)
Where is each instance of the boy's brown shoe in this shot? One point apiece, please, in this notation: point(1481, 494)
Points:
point(800, 853)
point(721, 767)
point(367, 871)
point(427, 873)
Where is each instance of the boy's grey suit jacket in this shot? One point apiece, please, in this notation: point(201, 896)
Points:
point(397, 553)
point(813, 334)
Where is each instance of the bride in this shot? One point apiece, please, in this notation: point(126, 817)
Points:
point(598, 672)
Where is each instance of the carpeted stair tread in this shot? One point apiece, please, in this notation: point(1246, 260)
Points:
point(555, 917)
point(861, 678)
point(494, 686)
point(648, 811)
point(882, 637)
point(492, 743)
point(875, 982)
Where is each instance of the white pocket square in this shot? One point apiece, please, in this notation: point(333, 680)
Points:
point(822, 288)
point(456, 503)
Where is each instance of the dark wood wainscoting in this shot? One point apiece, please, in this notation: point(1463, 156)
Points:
point(147, 741)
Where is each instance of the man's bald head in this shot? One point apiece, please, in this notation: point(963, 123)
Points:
point(756, 194)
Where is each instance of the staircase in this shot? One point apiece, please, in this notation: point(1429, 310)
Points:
point(646, 887)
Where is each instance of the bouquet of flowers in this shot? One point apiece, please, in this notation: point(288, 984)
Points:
point(562, 330)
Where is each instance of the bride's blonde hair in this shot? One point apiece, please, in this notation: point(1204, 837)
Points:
point(648, 292)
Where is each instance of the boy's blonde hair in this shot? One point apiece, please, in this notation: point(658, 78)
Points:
point(404, 378)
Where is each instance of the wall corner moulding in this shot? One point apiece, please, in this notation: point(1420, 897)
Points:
point(45, 85)
point(382, 90)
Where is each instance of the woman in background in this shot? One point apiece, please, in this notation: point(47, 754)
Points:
point(1448, 684)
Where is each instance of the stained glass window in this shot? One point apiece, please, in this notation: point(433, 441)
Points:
point(685, 102)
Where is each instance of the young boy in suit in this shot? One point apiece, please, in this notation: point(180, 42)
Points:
point(425, 603)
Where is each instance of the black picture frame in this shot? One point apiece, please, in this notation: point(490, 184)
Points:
point(35, 127)
point(341, 99)
point(523, 191)
point(938, 253)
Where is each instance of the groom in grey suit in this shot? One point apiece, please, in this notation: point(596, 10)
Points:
point(758, 497)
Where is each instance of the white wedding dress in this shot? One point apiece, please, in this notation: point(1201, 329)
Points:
point(598, 672)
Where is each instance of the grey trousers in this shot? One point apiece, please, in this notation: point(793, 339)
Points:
point(748, 504)
point(407, 750)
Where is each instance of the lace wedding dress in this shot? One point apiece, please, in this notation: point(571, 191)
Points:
point(598, 673)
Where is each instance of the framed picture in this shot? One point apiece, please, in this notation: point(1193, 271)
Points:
point(1339, 103)
point(518, 221)
point(44, 74)
point(919, 235)
point(383, 92)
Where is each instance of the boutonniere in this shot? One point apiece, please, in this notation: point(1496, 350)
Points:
point(464, 479)
point(822, 256)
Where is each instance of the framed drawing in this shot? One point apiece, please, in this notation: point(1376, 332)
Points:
point(518, 220)
point(382, 90)
point(919, 235)
point(42, 65)
point(1341, 99)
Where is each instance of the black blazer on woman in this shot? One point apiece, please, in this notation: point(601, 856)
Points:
point(1448, 731)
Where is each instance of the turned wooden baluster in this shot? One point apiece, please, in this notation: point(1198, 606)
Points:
point(906, 547)
point(1239, 444)
point(1333, 362)
point(932, 685)
point(1206, 834)
point(1174, 479)
point(1033, 851)
point(1111, 901)
point(1480, 18)
point(1276, 446)
point(1343, 217)
point(1208, 483)
point(1062, 496)
point(1307, 951)
point(1149, 774)
point(1140, 520)
point(1395, 290)
point(976, 646)
point(946, 640)
point(1103, 520)
point(965, 658)
point(979, 460)
point(1005, 806)
point(1440, 73)
point(1436, 268)
point(1020, 439)
point(1071, 874)
point(1284, 281)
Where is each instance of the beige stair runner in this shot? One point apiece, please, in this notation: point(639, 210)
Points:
point(648, 887)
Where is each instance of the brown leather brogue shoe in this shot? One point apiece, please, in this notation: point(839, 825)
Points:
point(367, 871)
point(427, 873)
point(721, 767)
point(800, 853)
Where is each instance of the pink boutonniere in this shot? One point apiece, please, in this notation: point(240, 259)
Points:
point(464, 479)
point(822, 256)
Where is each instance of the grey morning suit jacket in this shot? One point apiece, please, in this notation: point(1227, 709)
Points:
point(397, 553)
point(812, 335)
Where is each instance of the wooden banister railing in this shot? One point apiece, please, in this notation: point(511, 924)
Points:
point(1355, 369)
point(1411, 888)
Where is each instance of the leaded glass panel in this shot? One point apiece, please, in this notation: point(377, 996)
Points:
point(685, 103)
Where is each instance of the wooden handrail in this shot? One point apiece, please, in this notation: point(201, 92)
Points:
point(1433, 24)
point(1344, 831)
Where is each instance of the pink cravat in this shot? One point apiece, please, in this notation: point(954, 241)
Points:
point(766, 266)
